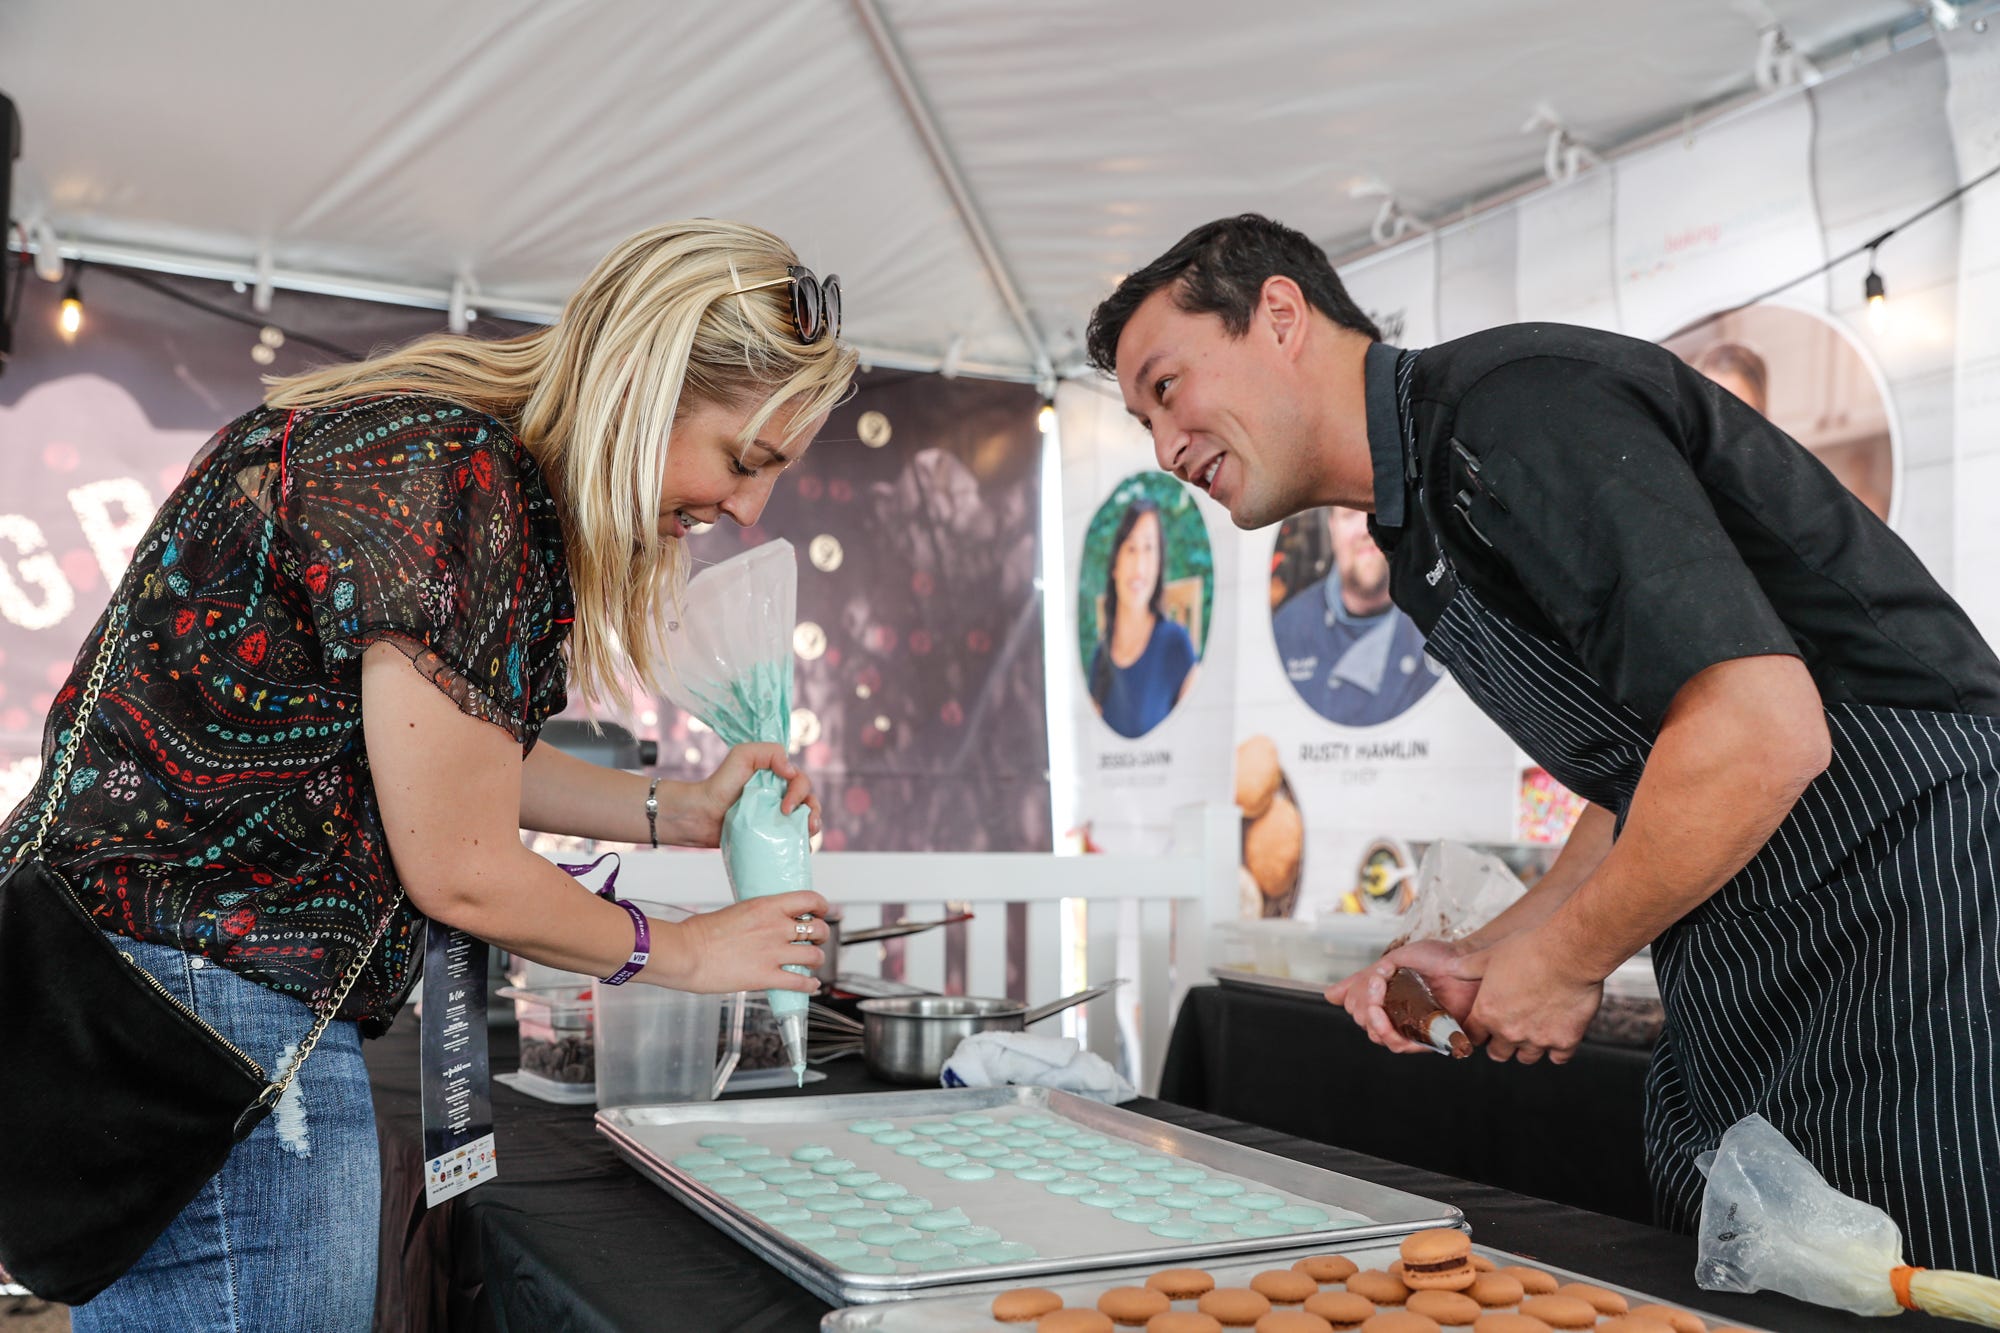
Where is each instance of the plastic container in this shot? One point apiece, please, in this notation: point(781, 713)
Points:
point(763, 1039)
point(558, 1035)
point(656, 1045)
point(1338, 946)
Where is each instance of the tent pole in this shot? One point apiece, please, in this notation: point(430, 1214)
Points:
point(926, 126)
point(147, 259)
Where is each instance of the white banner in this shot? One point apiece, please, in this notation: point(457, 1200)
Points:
point(1154, 682)
point(1563, 265)
point(1707, 223)
point(1373, 743)
point(1398, 289)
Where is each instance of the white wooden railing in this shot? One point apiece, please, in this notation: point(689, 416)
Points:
point(1145, 919)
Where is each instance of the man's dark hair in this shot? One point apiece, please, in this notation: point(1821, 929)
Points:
point(1219, 269)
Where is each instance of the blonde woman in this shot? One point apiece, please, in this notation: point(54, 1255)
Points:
point(333, 652)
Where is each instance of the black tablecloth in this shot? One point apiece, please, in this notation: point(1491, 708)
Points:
point(1292, 1062)
point(570, 1238)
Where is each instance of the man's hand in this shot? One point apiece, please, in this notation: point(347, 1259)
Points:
point(1530, 1001)
point(1435, 961)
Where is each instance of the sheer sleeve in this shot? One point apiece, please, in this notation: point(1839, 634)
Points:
point(424, 524)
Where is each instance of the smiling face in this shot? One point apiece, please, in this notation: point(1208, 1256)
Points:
point(709, 473)
point(1227, 415)
point(1364, 570)
point(1136, 567)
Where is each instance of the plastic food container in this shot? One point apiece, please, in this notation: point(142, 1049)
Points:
point(1318, 951)
point(763, 1040)
point(1338, 946)
point(558, 1037)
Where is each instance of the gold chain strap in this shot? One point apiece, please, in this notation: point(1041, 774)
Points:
point(277, 1090)
point(85, 707)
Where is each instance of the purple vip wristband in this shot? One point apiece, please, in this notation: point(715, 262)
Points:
point(642, 929)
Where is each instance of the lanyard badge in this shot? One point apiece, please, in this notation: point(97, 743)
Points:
point(457, 1087)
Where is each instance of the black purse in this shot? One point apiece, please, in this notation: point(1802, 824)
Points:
point(118, 1102)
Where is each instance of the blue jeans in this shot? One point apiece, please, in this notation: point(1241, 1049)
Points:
point(283, 1239)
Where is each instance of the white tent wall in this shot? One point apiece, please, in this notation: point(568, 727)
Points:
point(1975, 479)
point(1881, 150)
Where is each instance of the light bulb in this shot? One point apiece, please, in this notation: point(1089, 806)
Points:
point(1045, 420)
point(1878, 303)
point(70, 321)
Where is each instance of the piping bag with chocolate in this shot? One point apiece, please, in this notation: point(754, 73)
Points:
point(1415, 1012)
point(729, 657)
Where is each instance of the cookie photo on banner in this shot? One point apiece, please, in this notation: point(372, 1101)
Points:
point(1145, 600)
point(1351, 655)
point(1274, 832)
point(1805, 375)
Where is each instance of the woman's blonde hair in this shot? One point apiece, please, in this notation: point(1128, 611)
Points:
point(683, 314)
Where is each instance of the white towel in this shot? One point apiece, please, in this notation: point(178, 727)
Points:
point(992, 1059)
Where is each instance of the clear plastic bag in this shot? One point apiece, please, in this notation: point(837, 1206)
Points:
point(1458, 891)
point(1770, 1222)
point(729, 653)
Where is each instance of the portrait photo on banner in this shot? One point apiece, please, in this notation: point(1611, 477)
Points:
point(1353, 657)
point(1806, 376)
point(1145, 601)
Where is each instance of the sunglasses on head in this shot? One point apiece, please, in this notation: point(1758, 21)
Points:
point(815, 303)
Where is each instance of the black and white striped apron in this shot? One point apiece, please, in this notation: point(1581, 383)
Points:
point(1842, 983)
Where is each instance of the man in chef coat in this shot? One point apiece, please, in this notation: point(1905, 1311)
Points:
point(1788, 733)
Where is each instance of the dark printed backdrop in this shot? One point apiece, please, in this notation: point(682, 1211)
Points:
point(920, 698)
point(931, 619)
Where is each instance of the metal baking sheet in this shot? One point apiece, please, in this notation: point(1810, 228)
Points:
point(970, 1309)
point(1072, 1239)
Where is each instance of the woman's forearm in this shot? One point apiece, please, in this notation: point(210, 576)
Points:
point(519, 902)
point(563, 794)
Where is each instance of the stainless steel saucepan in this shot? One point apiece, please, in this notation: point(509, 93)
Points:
point(907, 1039)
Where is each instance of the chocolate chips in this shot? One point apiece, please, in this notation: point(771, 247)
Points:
point(569, 1060)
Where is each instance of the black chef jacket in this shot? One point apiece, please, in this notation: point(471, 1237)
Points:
point(1598, 490)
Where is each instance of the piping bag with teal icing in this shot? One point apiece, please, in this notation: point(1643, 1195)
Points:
point(729, 662)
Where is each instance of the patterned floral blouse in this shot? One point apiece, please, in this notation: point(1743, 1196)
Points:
point(221, 799)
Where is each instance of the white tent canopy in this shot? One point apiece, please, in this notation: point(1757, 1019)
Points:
point(979, 172)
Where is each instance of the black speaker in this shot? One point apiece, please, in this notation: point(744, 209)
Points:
point(10, 267)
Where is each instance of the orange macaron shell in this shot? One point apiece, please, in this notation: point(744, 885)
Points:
point(1328, 1267)
point(1453, 1309)
point(1291, 1321)
point(1560, 1311)
point(1181, 1284)
point(1379, 1287)
point(1342, 1309)
point(1183, 1321)
point(1284, 1286)
point(1025, 1304)
point(1235, 1307)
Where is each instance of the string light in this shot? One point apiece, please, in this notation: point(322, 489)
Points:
point(70, 320)
point(1873, 291)
point(1877, 296)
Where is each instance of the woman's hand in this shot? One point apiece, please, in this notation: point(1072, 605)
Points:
point(1529, 1001)
point(1434, 961)
point(691, 816)
point(745, 946)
